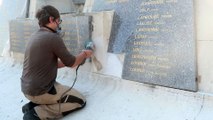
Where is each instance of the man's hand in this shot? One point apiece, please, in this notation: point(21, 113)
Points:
point(88, 53)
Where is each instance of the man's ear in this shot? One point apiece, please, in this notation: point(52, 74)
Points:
point(51, 19)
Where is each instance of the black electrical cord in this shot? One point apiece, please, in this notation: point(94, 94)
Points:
point(76, 75)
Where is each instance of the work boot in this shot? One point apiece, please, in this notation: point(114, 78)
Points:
point(31, 115)
point(27, 107)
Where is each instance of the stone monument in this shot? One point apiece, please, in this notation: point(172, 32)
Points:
point(158, 39)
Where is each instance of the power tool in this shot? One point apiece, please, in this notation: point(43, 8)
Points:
point(89, 45)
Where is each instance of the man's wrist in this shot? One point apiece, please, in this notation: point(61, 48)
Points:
point(85, 54)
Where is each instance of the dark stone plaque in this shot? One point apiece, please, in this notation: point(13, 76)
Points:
point(20, 32)
point(76, 31)
point(126, 13)
point(161, 50)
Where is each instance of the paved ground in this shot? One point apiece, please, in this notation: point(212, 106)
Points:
point(109, 98)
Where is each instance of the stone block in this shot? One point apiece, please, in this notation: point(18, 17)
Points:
point(79, 1)
point(204, 18)
point(63, 6)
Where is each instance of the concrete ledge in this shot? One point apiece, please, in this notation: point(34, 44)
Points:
point(115, 99)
